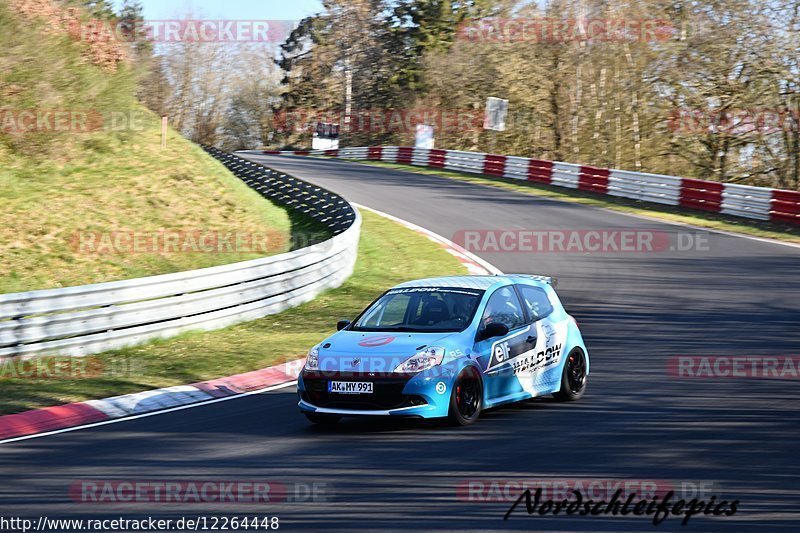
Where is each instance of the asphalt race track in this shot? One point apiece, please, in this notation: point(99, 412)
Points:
point(734, 437)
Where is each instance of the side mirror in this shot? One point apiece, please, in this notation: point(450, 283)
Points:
point(342, 324)
point(495, 329)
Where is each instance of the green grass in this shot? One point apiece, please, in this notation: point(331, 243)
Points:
point(127, 187)
point(56, 186)
point(389, 254)
point(770, 230)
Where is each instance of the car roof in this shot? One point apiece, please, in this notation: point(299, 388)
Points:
point(477, 282)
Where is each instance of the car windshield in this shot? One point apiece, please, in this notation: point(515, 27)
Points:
point(422, 310)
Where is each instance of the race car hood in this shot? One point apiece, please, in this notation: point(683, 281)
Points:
point(375, 352)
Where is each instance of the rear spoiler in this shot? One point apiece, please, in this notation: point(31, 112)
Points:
point(550, 280)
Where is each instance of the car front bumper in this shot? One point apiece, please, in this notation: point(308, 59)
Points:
point(393, 395)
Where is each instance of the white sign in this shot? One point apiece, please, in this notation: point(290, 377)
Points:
point(326, 136)
point(496, 113)
point(424, 137)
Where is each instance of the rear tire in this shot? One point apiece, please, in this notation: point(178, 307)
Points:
point(574, 377)
point(323, 420)
point(466, 400)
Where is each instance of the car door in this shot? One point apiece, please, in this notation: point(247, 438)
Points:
point(497, 356)
point(538, 372)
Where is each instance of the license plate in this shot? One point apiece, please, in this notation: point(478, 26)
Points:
point(350, 387)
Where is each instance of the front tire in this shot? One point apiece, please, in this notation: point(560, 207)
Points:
point(466, 400)
point(323, 420)
point(574, 377)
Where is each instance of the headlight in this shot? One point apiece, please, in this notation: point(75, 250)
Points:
point(427, 358)
point(312, 360)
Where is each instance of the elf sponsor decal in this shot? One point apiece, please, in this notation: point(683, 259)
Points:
point(525, 353)
point(374, 342)
point(501, 352)
point(510, 348)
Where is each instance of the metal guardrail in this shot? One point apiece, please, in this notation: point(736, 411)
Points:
point(78, 321)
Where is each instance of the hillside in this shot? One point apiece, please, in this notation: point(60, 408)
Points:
point(86, 193)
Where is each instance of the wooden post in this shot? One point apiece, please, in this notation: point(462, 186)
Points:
point(164, 122)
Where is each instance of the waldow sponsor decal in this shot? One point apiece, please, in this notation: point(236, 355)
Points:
point(538, 361)
point(441, 290)
point(516, 351)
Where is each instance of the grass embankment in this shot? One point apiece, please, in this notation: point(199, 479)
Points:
point(103, 174)
point(389, 254)
point(72, 222)
point(714, 221)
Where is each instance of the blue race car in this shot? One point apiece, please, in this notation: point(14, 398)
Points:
point(447, 347)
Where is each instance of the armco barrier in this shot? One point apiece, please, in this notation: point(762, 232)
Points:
point(699, 194)
point(93, 318)
point(758, 203)
point(786, 206)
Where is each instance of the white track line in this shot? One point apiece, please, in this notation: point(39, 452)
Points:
point(442, 240)
point(154, 413)
point(652, 218)
point(766, 240)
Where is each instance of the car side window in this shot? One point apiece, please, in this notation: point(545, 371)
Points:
point(536, 301)
point(504, 307)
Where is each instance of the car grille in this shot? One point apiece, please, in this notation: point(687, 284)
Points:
point(387, 391)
